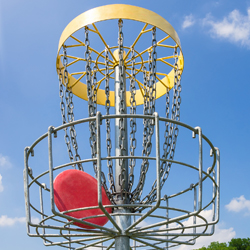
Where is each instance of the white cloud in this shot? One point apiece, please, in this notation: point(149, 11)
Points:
point(220, 234)
point(1, 184)
point(35, 220)
point(98, 246)
point(208, 214)
point(7, 221)
point(239, 204)
point(143, 224)
point(235, 27)
point(188, 21)
point(5, 162)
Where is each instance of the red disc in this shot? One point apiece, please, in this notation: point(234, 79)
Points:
point(77, 189)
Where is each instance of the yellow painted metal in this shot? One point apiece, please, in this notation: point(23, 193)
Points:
point(119, 11)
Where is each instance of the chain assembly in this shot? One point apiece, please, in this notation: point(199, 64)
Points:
point(171, 130)
point(165, 166)
point(133, 126)
point(122, 110)
point(91, 80)
point(68, 96)
point(152, 73)
point(170, 140)
point(125, 180)
point(149, 108)
point(91, 109)
point(108, 130)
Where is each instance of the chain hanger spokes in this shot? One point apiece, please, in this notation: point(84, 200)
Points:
point(164, 75)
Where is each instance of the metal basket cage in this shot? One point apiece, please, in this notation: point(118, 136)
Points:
point(150, 230)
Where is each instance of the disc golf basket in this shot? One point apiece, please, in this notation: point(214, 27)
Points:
point(116, 184)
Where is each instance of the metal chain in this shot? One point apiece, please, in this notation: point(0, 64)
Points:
point(70, 114)
point(169, 149)
point(133, 126)
point(149, 109)
point(165, 166)
point(177, 89)
point(91, 109)
point(122, 107)
point(64, 121)
point(108, 129)
point(91, 81)
point(171, 130)
point(92, 124)
point(92, 128)
point(152, 75)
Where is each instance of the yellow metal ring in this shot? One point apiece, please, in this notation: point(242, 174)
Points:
point(119, 11)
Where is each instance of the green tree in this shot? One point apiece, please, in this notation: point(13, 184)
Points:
point(234, 244)
point(218, 246)
point(240, 244)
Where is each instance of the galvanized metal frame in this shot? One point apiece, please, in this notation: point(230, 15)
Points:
point(168, 226)
point(148, 237)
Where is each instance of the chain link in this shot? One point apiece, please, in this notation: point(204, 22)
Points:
point(68, 95)
point(152, 75)
point(108, 129)
point(171, 130)
point(170, 140)
point(91, 80)
point(165, 166)
point(122, 107)
point(149, 109)
point(133, 126)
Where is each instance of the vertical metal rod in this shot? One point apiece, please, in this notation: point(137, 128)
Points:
point(157, 153)
point(124, 221)
point(51, 178)
point(167, 216)
point(134, 241)
point(41, 208)
point(99, 170)
point(195, 209)
point(200, 168)
point(213, 205)
point(117, 132)
point(218, 182)
point(26, 189)
point(69, 241)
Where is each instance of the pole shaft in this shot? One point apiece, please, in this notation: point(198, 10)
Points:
point(123, 221)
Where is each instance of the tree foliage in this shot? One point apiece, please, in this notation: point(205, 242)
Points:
point(240, 244)
point(234, 244)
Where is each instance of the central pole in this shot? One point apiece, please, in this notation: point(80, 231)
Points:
point(121, 167)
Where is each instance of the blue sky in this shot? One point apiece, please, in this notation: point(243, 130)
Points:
point(215, 38)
